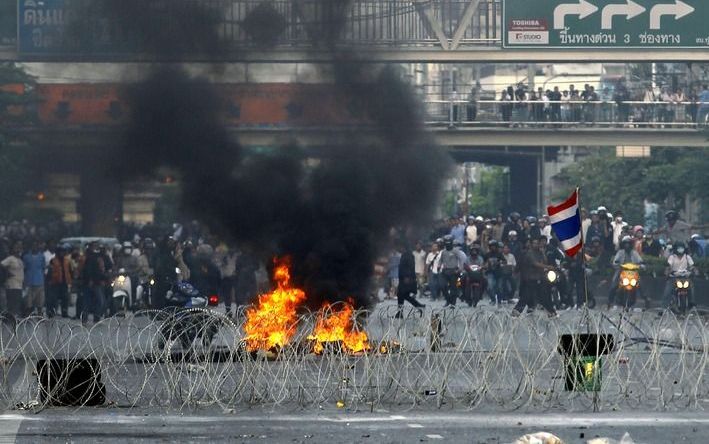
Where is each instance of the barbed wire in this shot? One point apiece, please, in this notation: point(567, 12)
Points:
point(461, 358)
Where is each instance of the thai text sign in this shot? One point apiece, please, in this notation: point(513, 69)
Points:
point(602, 24)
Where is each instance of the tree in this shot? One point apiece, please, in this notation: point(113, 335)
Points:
point(666, 177)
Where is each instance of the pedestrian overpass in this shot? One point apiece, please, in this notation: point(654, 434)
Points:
point(375, 30)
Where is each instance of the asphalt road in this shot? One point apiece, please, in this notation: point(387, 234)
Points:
point(111, 425)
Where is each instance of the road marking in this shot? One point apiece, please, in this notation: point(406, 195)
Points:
point(9, 426)
point(415, 426)
point(434, 437)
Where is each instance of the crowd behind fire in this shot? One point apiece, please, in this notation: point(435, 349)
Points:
point(42, 276)
point(513, 253)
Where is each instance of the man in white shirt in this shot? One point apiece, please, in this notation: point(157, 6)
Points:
point(678, 263)
point(419, 266)
point(544, 227)
point(433, 262)
point(471, 232)
point(618, 225)
point(585, 223)
point(15, 269)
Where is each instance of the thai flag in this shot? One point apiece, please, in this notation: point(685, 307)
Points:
point(566, 222)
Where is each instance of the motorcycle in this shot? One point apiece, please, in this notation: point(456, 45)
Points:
point(471, 283)
point(682, 287)
point(189, 318)
point(144, 293)
point(554, 279)
point(628, 284)
point(121, 297)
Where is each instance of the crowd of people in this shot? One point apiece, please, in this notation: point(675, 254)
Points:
point(41, 276)
point(514, 253)
point(648, 105)
point(45, 278)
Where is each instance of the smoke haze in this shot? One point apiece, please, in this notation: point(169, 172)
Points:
point(332, 217)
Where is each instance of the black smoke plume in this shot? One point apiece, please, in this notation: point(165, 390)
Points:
point(333, 216)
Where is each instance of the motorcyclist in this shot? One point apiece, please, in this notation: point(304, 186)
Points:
point(167, 260)
point(451, 264)
point(675, 230)
point(625, 255)
point(514, 244)
point(145, 269)
point(476, 257)
point(494, 260)
point(127, 261)
point(677, 263)
point(513, 224)
point(204, 273)
point(697, 246)
point(577, 279)
point(531, 230)
point(556, 258)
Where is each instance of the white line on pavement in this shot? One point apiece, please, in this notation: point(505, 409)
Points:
point(9, 425)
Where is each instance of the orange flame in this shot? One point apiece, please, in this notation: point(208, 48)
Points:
point(337, 326)
point(272, 322)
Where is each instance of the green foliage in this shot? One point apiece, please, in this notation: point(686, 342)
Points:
point(623, 183)
point(654, 266)
point(491, 192)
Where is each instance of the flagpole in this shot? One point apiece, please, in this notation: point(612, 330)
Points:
point(584, 265)
point(586, 310)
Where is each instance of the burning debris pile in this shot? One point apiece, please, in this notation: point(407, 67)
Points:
point(273, 321)
point(335, 326)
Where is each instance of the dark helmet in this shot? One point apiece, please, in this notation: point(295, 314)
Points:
point(626, 242)
point(448, 241)
point(679, 248)
point(671, 215)
point(514, 216)
point(532, 220)
point(493, 243)
point(148, 243)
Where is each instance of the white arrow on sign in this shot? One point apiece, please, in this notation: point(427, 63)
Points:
point(679, 10)
point(583, 9)
point(630, 10)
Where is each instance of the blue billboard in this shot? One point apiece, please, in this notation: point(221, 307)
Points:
point(41, 26)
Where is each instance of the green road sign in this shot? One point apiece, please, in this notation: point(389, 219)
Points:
point(600, 24)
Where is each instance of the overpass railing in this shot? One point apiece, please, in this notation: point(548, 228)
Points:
point(568, 114)
point(296, 24)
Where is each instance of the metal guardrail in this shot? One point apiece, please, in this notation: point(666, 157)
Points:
point(296, 24)
point(600, 113)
